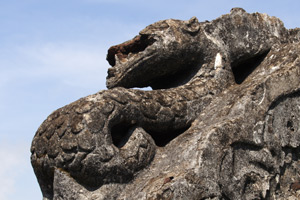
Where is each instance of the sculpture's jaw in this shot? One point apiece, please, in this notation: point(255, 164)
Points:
point(123, 52)
point(156, 54)
point(127, 60)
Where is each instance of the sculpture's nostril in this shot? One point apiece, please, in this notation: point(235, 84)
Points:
point(111, 72)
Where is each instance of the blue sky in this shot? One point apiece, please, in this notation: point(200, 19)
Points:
point(52, 52)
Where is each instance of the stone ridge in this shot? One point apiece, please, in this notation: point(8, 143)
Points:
point(221, 123)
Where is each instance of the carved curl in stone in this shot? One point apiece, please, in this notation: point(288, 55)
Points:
point(221, 123)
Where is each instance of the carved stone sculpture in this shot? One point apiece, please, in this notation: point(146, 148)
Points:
point(222, 120)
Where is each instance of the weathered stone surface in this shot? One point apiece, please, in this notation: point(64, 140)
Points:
point(223, 122)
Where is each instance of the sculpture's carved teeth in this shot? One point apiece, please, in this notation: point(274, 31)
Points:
point(134, 46)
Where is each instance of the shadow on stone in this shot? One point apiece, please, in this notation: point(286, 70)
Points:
point(241, 70)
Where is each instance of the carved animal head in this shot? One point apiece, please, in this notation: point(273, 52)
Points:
point(160, 51)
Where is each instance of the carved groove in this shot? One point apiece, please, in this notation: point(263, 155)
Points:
point(121, 132)
point(245, 146)
point(163, 138)
point(242, 69)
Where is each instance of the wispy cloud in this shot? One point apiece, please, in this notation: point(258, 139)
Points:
point(76, 65)
point(111, 1)
point(12, 164)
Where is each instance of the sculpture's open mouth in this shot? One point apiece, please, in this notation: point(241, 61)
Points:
point(134, 46)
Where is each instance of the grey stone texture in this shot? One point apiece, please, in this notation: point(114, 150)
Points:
point(222, 120)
